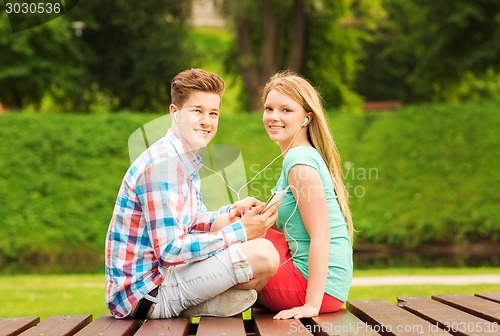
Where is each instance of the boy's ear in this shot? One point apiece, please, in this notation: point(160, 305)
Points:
point(172, 108)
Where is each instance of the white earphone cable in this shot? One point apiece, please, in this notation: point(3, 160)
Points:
point(253, 178)
point(284, 227)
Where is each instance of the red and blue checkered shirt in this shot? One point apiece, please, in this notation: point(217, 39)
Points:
point(159, 220)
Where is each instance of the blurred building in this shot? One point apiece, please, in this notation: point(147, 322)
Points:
point(208, 13)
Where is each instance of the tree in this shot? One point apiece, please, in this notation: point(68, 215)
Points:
point(319, 39)
point(140, 47)
point(128, 51)
point(37, 61)
point(427, 49)
point(336, 31)
point(264, 43)
point(455, 37)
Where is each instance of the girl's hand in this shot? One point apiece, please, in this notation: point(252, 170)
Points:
point(306, 310)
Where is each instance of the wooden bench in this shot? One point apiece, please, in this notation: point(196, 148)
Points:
point(413, 315)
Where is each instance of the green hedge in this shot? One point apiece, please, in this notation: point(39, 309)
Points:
point(437, 175)
point(420, 175)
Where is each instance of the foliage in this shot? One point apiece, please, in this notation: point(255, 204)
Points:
point(421, 175)
point(209, 46)
point(37, 62)
point(140, 46)
point(434, 168)
point(456, 37)
point(320, 39)
point(125, 58)
point(335, 33)
point(59, 178)
point(430, 50)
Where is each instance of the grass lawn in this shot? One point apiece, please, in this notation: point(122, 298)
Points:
point(426, 271)
point(46, 295)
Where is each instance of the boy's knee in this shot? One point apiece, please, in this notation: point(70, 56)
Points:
point(266, 256)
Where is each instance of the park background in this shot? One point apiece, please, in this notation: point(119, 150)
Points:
point(423, 178)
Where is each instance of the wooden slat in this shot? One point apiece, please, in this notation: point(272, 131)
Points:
point(266, 326)
point(389, 319)
point(165, 327)
point(59, 326)
point(492, 296)
point(340, 323)
point(15, 325)
point(106, 325)
point(215, 326)
point(454, 321)
point(477, 306)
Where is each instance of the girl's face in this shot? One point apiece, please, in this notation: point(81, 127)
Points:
point(283, 118)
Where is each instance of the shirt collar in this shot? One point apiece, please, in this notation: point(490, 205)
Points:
point(191, 159)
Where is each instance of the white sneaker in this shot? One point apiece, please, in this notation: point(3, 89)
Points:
point(229, 303)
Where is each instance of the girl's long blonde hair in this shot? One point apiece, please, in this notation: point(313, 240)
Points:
point(300, 90)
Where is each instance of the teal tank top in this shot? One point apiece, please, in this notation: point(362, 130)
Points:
point(340, 259)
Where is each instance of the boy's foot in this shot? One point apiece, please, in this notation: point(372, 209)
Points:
point(229, 303)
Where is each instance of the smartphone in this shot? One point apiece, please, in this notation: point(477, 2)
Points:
point(275, 197)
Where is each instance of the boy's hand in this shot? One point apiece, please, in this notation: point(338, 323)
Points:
point(257, 224)
point(240, 208)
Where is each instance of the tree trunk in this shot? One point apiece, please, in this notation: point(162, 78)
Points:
point(257, 69)
point(249, 64)
point(296, 56)
point(18, 100)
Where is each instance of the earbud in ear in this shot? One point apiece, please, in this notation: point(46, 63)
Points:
point(174, 115)
point(305, 121)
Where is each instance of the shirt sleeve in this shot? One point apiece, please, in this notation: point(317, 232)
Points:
point(298, 157)
point(204, 219)
point(161, 191)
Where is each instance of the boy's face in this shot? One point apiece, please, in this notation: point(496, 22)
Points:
point(197, 120)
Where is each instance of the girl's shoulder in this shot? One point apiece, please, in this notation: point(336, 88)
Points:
point(305, 155)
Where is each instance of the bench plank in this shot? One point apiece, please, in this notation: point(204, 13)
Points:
point(452, 320)
point(216, 326)
point(15, 325)
point(492, 296)
point(106, 325)
point(265, 325)
point(341, 323)
point(166, 327)
point(66, 325)
point(389, 319)
point(474, 305)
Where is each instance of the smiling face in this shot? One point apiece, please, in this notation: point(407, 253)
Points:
point(283, 118)
point(196, 121)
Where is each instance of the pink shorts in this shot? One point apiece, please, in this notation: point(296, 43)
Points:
point(288, 287)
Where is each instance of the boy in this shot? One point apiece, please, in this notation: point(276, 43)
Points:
point(162, 257)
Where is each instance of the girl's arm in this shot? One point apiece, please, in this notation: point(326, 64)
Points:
point(308, 189)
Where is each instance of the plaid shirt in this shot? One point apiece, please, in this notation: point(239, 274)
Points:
point(158, 221)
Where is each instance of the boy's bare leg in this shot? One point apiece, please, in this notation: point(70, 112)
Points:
point(261, 255)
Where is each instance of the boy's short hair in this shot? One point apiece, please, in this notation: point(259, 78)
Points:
point(188, 81)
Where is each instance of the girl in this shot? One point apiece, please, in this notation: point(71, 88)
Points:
point(314, 230)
